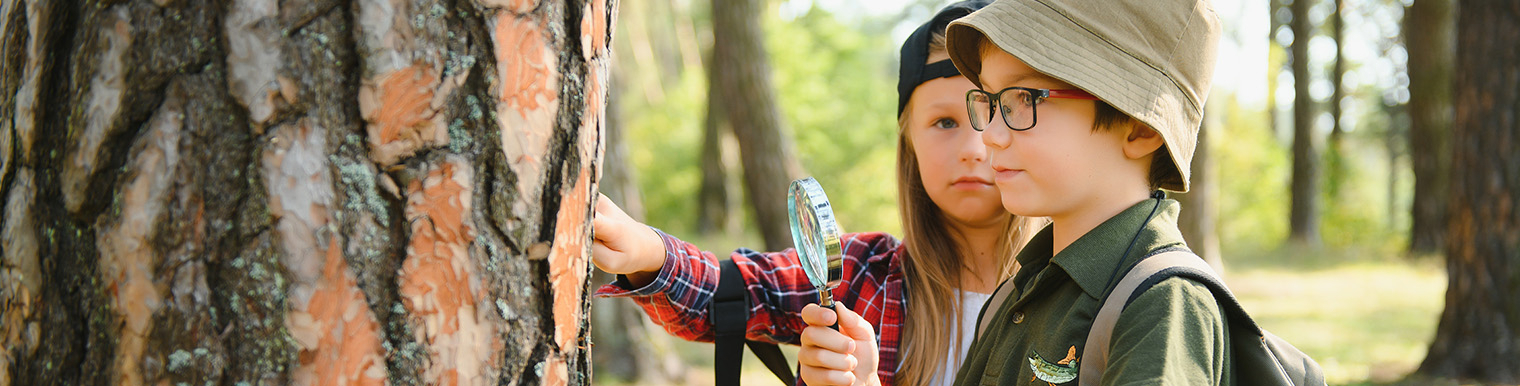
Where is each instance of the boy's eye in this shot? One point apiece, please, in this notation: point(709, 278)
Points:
point(1031, 99)
point(946, 123)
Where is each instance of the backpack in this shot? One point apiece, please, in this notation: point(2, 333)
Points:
point(1260, 358)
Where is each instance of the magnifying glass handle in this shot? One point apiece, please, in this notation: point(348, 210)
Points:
point(835, 326)
point(828, 302)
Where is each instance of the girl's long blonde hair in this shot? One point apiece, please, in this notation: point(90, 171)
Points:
point(932, 262)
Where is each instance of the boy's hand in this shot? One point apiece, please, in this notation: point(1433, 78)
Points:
point(844, 357)
point(624, 246)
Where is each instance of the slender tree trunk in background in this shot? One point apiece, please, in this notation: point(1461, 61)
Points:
point(265, 192)
point(1430, 35)
point(742, 71)
point(712, 199)
point(1303, 219)
point(626, 348)
point(1335, 155)
point(1478, 338)
point(1200, 205)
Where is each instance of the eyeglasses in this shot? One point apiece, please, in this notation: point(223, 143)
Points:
point(1016, 103)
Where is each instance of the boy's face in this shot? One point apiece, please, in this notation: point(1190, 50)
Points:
point(1059, 166)
point(951, 158)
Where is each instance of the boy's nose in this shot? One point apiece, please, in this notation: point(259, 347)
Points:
point(997, 135)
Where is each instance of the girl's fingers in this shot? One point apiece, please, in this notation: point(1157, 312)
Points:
point(814, 315)
point(819, 377)
point(827, 339)
point(811, 354)
point(854, 326)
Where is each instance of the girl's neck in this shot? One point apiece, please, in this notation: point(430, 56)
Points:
point(978, 246)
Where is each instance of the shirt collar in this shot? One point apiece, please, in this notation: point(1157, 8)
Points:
point(1094, 258)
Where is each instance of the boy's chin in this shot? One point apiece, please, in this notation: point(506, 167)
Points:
point(1021, 206)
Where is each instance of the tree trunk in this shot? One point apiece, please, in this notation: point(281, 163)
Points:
point(1430, 34)
point(1478, 338)
point(1303, 219)
point(741, 73)
point(325, 192)
point(712, 199)
point(1335, 155)
point(1200, 205)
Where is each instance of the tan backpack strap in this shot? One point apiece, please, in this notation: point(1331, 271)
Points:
point(990, 309)
point(1095, 352)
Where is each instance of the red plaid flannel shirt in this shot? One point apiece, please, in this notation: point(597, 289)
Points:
point(679, 296)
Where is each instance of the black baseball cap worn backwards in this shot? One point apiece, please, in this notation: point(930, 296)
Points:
point(915, 52)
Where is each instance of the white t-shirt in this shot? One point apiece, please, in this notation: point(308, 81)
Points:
point(971, 305)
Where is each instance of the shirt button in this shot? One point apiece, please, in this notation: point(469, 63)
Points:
point(1018, 317)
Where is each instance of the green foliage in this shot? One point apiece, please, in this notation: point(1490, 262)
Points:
point(835, 86)
point(665, 145)
point(837, 90)
point(1253, 183)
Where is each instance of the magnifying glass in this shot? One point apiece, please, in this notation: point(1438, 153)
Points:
point(816, 235)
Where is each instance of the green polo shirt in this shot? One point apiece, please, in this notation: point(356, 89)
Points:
point(1172, 334)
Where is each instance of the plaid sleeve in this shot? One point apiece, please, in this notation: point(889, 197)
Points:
point(680, 294)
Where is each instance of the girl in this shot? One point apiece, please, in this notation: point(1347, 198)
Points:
point(923, 294)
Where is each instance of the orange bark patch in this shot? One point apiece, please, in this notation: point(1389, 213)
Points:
point(522, 6)
point(438, 281)
point(402, 114)
point(555, 372)
point(525, 63)
point(594, 29)
point(339, 337)
point(567, 261)
point(527, 70)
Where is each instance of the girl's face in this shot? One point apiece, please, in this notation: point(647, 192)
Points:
point(951, 157)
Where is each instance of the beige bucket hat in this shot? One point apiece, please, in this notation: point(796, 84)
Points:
point(1151, 59)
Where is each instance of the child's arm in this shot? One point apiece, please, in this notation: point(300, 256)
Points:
point(677, 292)
point(1173, 334)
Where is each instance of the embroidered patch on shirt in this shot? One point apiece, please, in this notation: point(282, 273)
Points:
point(1062, 371)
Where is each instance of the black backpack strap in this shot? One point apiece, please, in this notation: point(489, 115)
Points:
point(730, 314)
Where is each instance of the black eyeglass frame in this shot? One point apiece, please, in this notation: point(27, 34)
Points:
point(994, 102)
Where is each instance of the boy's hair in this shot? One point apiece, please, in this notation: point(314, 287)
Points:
point(1151, 60)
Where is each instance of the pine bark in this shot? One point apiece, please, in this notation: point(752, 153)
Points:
point(266, 192)
point(1478, 338)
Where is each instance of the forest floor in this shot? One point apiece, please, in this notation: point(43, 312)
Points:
point(1367, 317)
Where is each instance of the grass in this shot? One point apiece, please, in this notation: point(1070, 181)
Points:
point(1364, 318)
point(1366, 315)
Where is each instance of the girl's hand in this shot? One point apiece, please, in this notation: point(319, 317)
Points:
point(844, 357)
point(624, 246)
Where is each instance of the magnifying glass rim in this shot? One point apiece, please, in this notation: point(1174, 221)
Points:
point(827, 232)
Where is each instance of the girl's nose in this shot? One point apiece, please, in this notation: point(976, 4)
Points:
point(972, 148)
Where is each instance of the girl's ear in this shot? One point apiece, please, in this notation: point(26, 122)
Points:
point(1141, 140)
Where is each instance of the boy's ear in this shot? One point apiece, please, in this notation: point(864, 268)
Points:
point(1141, 140)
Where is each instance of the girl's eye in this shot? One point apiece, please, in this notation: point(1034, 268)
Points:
point(946, 123)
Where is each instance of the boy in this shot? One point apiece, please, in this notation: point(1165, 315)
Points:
point(1086, 108)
